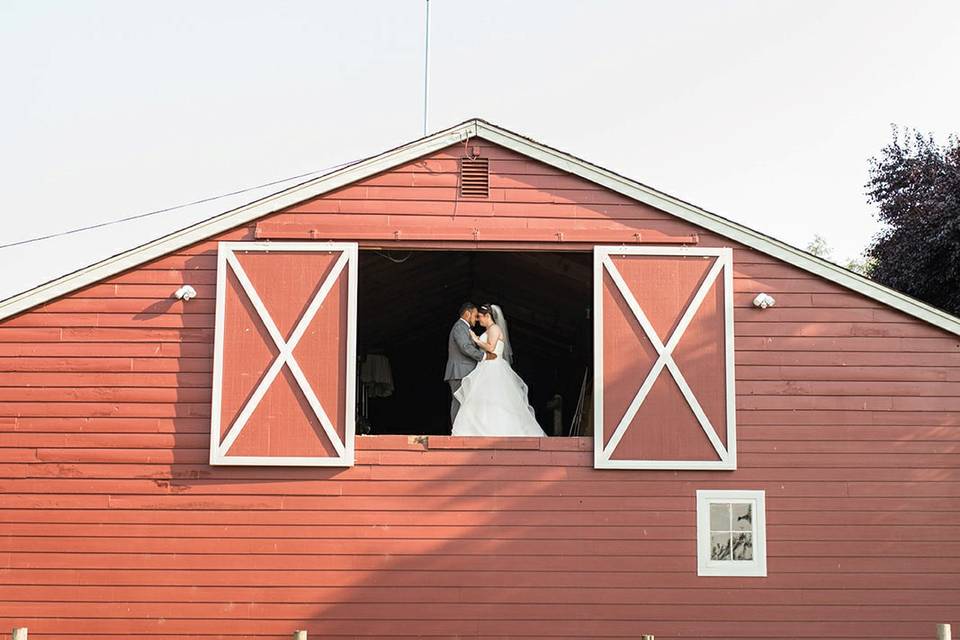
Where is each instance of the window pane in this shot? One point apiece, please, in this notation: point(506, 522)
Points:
point(719, 516)
point(743, 517)
point(720, 546)
point(731, 536)
point(743, 546)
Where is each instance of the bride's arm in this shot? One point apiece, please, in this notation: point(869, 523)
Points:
point(480, 343)
point(493, 334)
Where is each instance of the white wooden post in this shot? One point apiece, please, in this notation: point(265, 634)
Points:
point(943, 632)
point(20, 633)
point(300, 635)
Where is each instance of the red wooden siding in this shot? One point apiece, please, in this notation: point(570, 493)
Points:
point(114, 525)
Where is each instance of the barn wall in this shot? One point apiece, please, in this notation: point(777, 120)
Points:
point(113, 523)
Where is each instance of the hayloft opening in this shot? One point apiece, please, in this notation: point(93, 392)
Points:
point(407, 302)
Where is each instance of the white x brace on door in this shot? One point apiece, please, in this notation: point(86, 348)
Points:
point(663, 358)
point(284, 354)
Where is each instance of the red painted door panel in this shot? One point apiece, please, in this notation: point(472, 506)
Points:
point(283, 391)
point(664, 358)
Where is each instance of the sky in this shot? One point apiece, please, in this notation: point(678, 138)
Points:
point(763, 112)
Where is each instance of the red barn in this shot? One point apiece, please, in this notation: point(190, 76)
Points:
point(274, 453)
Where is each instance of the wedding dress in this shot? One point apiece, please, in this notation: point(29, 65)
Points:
point(493, 401)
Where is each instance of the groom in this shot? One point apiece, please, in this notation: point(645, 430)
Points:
point(462, 354)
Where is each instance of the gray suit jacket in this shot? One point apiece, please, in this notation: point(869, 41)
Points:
point(462, 354)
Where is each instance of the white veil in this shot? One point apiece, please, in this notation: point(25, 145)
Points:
point(501, 322)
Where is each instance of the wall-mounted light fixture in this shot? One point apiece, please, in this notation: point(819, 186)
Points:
point(185, 293)
point(763, 301)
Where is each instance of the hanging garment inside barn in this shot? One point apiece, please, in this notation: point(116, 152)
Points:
point(242, 428)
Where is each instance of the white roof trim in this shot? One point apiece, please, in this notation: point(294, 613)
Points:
point(720, 225)
point(233, 218)
point(525, 146)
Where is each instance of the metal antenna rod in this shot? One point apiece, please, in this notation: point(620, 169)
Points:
point(426, 70)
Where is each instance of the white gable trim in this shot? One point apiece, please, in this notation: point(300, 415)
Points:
point(525, 146)
point(236, 217)
point(721, 226)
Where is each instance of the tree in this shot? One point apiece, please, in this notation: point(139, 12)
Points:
point(819, 247)
point(915, 184)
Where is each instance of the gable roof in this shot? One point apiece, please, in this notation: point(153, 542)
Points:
point(515, 142)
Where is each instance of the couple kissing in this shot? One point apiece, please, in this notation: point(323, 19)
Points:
point(489, 398)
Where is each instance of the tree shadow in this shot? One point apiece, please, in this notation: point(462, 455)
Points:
point(440, 538)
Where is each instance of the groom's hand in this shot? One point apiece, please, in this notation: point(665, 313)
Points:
point(491, 356)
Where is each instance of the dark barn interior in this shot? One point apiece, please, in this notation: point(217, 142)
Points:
point(408, 301)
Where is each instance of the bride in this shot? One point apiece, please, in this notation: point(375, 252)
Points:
point(493, 398)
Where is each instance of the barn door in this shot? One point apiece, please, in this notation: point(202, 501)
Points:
point(663, 358)
point(284, 354)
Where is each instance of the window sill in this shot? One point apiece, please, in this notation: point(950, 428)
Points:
point(470, 443)
point(734, 570)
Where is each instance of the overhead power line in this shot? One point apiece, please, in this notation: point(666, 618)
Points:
point(173, 208)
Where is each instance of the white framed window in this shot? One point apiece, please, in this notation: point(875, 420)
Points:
point(731, 533)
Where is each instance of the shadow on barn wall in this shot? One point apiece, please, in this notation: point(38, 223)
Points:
point(450, 542)
point(469, 543)
point(456, 540)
